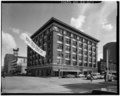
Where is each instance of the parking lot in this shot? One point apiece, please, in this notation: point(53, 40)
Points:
point(24, 84)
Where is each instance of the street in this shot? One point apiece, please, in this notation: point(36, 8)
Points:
point(22, 84)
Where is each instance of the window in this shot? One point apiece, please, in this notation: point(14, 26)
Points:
point(60, 38)
point(90, 48)
point(80, 51)
point(67, 48)
point(74, 36)
point(80, 57)
point(94, 65)
point(68, 41)
point(80, 64)
point(59, 53)
point(67, 62)
point(67, 55)
point(80, 45)
point(90, 43)
point(67, 34)
point(90, 53)
point(74, 49)
point(58, 61)
point(85, 58)
point(85, 53)
point(90, 59)
point(55, 28)
point(85, 41)
point(94, 49)
point(80, 39)
point(60, 46)
point(85, 46)
point(74, 43)
point(85, 64)
point(90, 64)
point(74, 56)
point(74, 63)
point(61, 31)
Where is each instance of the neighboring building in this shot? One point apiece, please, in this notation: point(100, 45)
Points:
point(22, 64)
point(102, 66)
point(67, 49)
point(111, 47)
point(10, 63)
point(14, 64)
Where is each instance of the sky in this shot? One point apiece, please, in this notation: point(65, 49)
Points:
point(95, 19)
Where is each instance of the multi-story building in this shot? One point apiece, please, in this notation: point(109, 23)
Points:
point(111, 47)
point(102, 66)
point(14, 64)
point(10, 64)
point(109, 51)
point(22, 64)
point(67, 49)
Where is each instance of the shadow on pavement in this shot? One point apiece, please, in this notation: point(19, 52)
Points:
point(88, 87)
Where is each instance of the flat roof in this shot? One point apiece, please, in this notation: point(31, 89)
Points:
point(63, 24)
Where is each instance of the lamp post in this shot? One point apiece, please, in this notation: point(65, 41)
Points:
point(61, 67)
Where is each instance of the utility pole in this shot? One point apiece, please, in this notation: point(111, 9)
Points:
point(107, 65)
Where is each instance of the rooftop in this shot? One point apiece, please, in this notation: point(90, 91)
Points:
point(64, 24)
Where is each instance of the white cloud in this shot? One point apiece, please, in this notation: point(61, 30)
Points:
point(78, 22)
point(15, 30)
point(107, 27)
point(8, 41)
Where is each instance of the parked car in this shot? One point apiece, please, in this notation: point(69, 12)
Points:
point(95, 76)
point(70, 76)
point(81, 75)
point(101, 76)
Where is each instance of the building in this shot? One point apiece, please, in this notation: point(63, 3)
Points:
point(22, 64)
point(10, 64)
point(14, 64)
point(111, 47)
point(68, 50)
point(102, 66)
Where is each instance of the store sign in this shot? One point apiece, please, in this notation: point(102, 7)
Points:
point(31, 44)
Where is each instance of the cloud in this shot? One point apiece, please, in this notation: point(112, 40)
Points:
point(107, 27)
point(78, 22)
point(15, 30)
point(8, 41)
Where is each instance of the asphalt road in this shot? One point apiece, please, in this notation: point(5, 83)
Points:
point(24, 84)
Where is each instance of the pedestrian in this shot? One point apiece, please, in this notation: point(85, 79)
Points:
point(91, 77)
point(3, 74)
point(105, 77)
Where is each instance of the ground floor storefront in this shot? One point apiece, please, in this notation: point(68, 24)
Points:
point(59, 71)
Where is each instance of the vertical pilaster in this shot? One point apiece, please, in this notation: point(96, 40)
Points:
point(96, 56)
point(64, 32)
point(88, 53)
point(71, 50)
point(83, 53)
point(92, 55)
point(77, 51)
point(54, 51)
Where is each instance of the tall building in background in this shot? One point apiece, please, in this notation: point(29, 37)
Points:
point(112, 57)
point(111, 47)
point(14, 64)
point(67, 49)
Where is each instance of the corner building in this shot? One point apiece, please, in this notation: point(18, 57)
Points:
point(68, 50)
